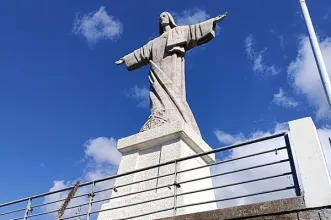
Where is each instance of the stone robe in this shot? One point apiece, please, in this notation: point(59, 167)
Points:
point(166, 56)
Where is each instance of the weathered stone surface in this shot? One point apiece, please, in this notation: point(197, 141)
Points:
point(309, 215)
point(285, 209)
point(247, 211)
point(325, 214)
point(166, 56)
point(292, 216)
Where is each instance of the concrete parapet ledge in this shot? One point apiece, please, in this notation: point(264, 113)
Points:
point(259, 211)
point(159, 135)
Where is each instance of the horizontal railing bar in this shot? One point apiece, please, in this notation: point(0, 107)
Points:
point(56, 201)
point(101, 200)
point(150, 167)
point(103, 190)
point(44, 195)
point(191, 192)
point(236, 197)
point(140, 181)
point(81, 195)
point(229, 147)
point(234, 171)
point(234, 184)
point(193, 156)
point(181, 194)
point(16, 218)
point(14, 202)
point(43, 204)
point(231, 160)
point(13, 211)
point(76, 206)
point(47, 203)
point(43, 213)
point(144, 180)
point(50, 193)
point(49, 212)
point(133, 204)
point(191, 180)
point(141, 191)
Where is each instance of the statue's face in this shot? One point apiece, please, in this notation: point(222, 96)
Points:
point(164, 19)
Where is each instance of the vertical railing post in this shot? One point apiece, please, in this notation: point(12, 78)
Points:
point(91, 196)
point(28, 209)
point(175, 188)
point(292, 165)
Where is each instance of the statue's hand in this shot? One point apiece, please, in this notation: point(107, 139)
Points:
point(220, 17)
point(120, 61)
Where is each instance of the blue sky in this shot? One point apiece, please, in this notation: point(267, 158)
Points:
point(63, 101)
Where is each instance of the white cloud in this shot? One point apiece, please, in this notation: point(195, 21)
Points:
point(249, 42)
point(191, 16)
point(283, 100)
point(281, 127)
point(260, 67)
point(97, 25)
point(102, 159)
point(139, 94)
point(103, 150)
point(249, 188)
point(257, 58)
point(305, 77)
point(226, 138)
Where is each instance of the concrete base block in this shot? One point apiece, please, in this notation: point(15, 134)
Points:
point(152, 147)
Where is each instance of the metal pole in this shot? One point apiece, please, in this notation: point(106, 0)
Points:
point(317, 52)
point(91, 196)
point(28, 209)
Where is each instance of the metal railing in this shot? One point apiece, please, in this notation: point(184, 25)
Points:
point(38, 206)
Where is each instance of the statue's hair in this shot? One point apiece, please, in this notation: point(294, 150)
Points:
point(172, 22)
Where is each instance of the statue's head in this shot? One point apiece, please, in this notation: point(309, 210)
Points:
point(166, 19)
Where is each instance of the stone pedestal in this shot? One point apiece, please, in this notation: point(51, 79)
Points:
point(152, 147)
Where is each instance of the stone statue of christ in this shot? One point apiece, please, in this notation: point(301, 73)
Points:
point(166, 57)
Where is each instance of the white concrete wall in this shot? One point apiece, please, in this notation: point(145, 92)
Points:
point(316, 182)
point(196, 185)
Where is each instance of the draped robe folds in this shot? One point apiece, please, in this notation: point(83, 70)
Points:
point(166, 56)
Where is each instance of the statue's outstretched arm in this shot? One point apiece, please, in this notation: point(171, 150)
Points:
point(120, 61)
point(137, 58)
point(220, 17)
